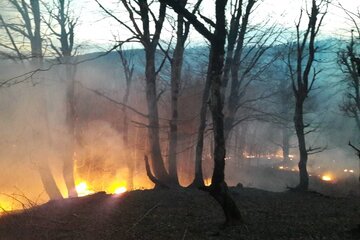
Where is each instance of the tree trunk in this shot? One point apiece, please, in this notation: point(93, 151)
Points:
point(125, 135)
point(285, 144)
point(218, 188)
point(35, 38)
point(68, 165)
point(299, 127)
point(199, 178)
point(153, 117)
point(48, 182)
point(176, 67)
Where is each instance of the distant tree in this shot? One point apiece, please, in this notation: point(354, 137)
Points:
point(349, 60)
point(28, 28)
point(284, 103)
point(218, 188)
point(141, 16)
point(244, 50)
point(62, 25)
point(303, 77)
point(176, 61)
point(128, 66)
point(245, 61)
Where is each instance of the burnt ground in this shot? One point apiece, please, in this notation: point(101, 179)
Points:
point(187, 214)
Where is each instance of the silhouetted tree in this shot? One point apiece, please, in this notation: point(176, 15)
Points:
point(303, 77)
point(29, 28)
point(349, 60)
point(218, 188)
point(128, 67)
point(62, 26)
point(141, 16)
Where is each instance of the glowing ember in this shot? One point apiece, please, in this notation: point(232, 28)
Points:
point(281, 167)
point(326, 178)
point(351, 171)
point(207, 181)
point(83, 190)
point(120, 190)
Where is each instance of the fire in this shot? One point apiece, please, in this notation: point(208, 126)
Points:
point(120, 190)
point(5, 207)
point(326, 178)
point(83, 189)
point(207, 181)
point(117, 187)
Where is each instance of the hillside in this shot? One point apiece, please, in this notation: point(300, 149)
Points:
point(187, 214)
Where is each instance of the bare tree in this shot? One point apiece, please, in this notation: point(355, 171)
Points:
point(349, 60)
point(218, 188)
point(128, 67)
point(245, 61)
point(303, 77)
point(176, 62)
point(63, 30)
point(29, 28)
point(141, 16)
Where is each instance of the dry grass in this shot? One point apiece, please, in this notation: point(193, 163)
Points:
point(186, 214)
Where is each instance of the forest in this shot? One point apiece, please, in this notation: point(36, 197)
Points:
point(179, 119)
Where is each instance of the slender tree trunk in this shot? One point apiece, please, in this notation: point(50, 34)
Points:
point(125, 135)
point(41, 137)
point(42, 133)
point(176, 67)
point(153, 117)
point(218, 188)
point(68, 164)
point(285, 144)
point(48, 181)
point(199, 178)
point(299, 127)
point(35, 38)
point(129, 159)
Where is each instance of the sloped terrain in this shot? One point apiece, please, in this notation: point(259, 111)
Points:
point(187, 214)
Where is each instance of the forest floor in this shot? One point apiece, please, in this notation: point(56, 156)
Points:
point(187, 214)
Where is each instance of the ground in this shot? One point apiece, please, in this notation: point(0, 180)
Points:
point(187, 214)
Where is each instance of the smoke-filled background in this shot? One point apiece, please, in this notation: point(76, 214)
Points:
point(109, 137)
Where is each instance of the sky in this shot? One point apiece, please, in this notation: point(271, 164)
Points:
point(96, 28)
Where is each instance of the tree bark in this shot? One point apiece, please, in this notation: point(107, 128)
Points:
point(285, 144)
point(176, 68)
point(218, 188)
point(199, 177)
point(48, 182)
point(129, 70)
point(68, 165)
point(153, 117)
point(299, 127)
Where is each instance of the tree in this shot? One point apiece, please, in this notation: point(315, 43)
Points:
point(218, 188)
point(63, 30)
point(128, 67)
point(245, 61)
point(176, 62)
point(150, 42)
point(349, 60)
point(303, 77)
point(29, 28)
